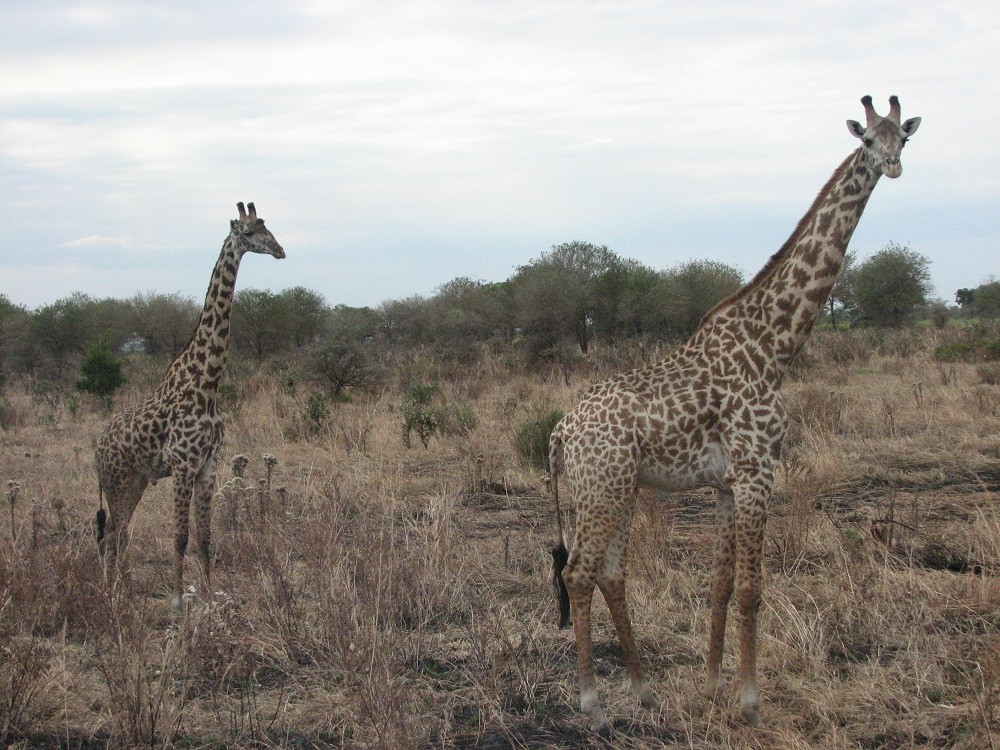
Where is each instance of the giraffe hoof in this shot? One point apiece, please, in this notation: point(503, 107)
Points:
point(750, 714)
point(600, 724)
point(592, 708)
point(647, 699)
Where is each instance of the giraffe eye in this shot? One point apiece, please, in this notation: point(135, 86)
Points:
point(869, 142)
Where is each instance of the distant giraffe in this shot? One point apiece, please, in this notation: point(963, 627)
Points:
point(710, 414)
point(177, 431)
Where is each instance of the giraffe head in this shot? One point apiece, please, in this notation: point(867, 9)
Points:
point(251, 235)
point(883, 137)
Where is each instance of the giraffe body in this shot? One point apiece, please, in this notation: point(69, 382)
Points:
point(178, 431)
point(709, 414)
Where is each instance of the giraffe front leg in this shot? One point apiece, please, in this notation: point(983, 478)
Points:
point(183, 488)
point(203, 489)
point(750, 522)
point(722, 587)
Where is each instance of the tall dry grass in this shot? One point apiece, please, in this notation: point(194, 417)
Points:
point(367, 595)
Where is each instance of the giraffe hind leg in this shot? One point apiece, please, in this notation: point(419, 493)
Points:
point(721, 587)
point(581, 592)
point(122, 498)
point(612, 585)
point(585, 568)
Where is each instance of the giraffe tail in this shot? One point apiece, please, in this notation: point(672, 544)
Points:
point(102, 515)
point(560, 555)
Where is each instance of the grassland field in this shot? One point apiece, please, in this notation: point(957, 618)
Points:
point(376, 596)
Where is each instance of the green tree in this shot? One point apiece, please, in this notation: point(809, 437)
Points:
point(101, 373)
point(164, 321)
point(13, 329)
point(304, 314)
point(60, 329)
point(258, 323)
point(404, 321)
point(965, 298)
point(986, 302)
point(891, 287)
point(462, 313)
point(347, 323)
point(694, 288)
point(842, 295)
point(560, 295)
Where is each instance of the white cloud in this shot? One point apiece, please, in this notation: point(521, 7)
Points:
point(122, 242)
point(412, 126)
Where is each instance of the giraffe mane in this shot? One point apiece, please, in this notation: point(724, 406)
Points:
point(775, 260)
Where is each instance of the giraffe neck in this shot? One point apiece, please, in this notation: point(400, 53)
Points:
point(203, 361)
point(778, 308)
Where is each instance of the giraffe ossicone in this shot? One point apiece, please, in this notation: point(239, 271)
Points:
point(709, 414)
point(177, 431)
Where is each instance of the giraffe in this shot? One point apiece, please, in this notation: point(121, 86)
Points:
point(177, 431)
point(709, 414)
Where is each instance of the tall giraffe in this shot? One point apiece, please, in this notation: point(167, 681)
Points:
point(177, 431)
point(709, 414)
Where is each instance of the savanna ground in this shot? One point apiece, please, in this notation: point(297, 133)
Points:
point(370, 595)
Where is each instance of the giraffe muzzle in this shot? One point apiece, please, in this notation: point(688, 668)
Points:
point(892, 168)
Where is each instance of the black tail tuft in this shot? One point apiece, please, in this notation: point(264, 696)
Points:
point(559, 559)
point(102, 519)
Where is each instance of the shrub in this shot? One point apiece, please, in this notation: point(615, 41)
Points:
point(315, 412)
point(954, 351)
point(989, 373)
point(989, 349)
point(339, 365)
point(532, 440)
point(457, 419)
point(102, 373)
point(419, 414)
point(229, 398)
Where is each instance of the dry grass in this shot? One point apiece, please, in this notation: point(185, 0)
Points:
point(372, 596)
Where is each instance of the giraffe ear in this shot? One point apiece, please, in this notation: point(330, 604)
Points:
point(232, 224)
point(855, 128)
point(910, 126)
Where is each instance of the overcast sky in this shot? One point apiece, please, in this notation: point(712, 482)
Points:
point(394, 146)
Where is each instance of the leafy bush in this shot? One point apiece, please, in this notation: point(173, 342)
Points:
point(532, 439)
point(228, 397)
point(989, 349)
point(989, 373)
point(955, 351)
point(983, 348)
point(338, 365)
point(419, 414)
point(315, 412)
point(102, 373)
